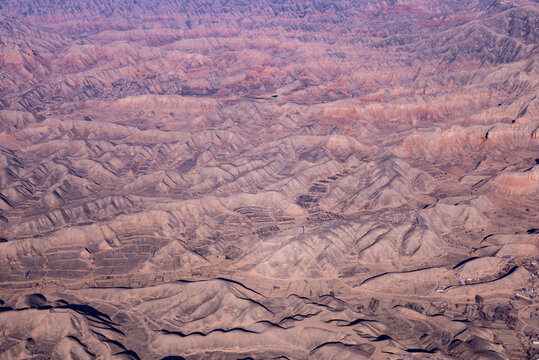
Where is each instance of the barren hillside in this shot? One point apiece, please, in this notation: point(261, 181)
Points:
point(241, 179)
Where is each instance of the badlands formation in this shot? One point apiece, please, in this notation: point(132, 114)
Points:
point(213, 179)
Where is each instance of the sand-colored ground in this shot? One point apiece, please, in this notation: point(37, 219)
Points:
point(269, 180)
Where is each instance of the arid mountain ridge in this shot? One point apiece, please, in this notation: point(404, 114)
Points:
point(273, 179)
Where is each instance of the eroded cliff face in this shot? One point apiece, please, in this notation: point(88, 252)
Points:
point(269, 179)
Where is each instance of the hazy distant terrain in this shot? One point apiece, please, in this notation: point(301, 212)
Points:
point(269, 179)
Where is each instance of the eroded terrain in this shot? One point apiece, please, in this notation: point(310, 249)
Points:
point(269, 180)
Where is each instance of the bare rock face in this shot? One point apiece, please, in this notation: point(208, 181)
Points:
point(269, 179)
